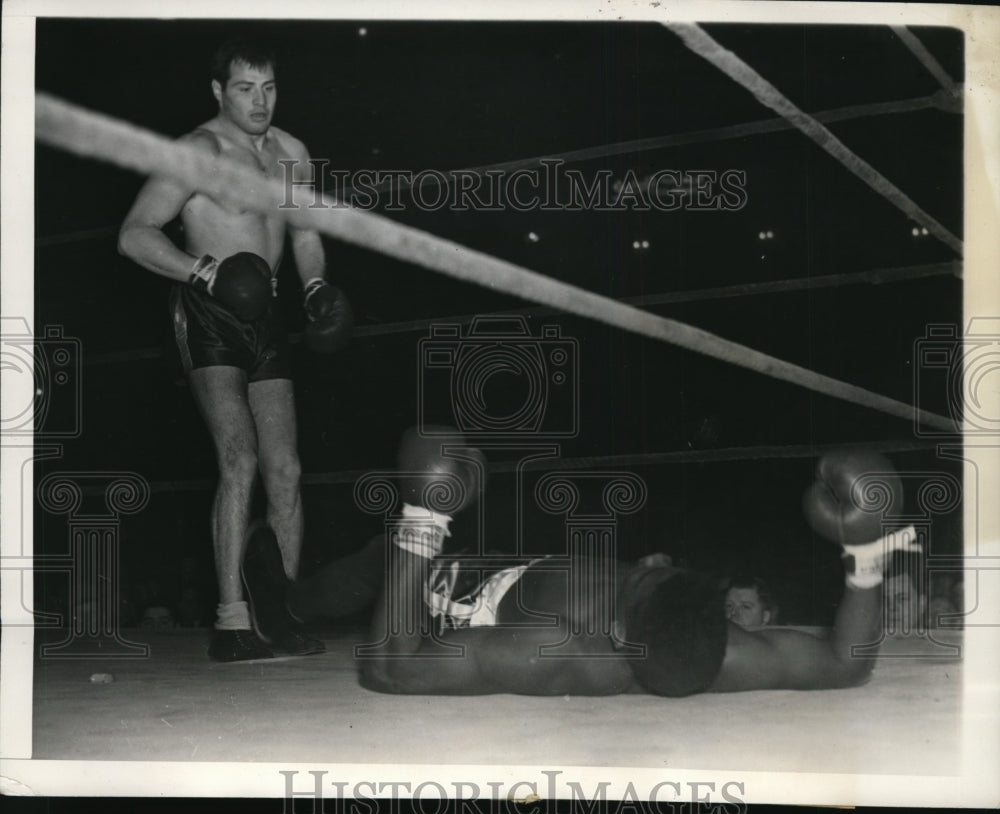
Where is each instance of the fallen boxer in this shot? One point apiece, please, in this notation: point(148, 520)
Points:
point(669, 634)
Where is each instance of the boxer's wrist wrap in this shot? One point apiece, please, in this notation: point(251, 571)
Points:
point(864, 564)
point(422, 531)
point(203, 273)
point(311, 287)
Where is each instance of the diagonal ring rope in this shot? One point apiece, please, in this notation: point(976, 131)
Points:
point(94, 135)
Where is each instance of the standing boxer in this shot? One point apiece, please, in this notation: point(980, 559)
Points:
point(227, 327)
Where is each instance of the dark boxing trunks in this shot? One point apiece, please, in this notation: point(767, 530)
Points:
point(209, 334)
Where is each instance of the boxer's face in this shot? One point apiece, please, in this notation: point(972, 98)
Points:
point(743, 606)
point(248, 98)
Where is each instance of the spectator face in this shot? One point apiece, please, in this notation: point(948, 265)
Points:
point(157, 619)
point(744, 607)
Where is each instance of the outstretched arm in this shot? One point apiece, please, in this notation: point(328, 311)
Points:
point(412, 659)
point(794, 660)
point(404, 654)
point(408, 655)
point(836, 506)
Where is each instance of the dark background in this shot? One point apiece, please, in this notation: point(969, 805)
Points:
point(451, 95)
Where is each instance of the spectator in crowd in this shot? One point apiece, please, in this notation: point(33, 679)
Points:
point(749, 602)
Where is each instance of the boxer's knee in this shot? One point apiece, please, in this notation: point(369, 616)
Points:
point(237, 461)
point(282, 470)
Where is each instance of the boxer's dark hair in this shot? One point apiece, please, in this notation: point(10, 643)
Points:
point(683, 627)
point(250, 52)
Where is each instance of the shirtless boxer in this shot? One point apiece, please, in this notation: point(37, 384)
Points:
point(229, 332)
point(500, 639)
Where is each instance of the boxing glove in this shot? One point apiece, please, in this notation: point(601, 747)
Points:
point(241, 282)
point(435, 486)
point(847, 504)
point(330, 318)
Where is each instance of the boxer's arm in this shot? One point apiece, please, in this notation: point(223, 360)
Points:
point(482, 661)
point(839, 509)
point(407, 654)
point(310, 259)
point(790, 659)
point(307, 247)
point(409, 658)
point(497, 660)
point(413, 657)
point(141, 237)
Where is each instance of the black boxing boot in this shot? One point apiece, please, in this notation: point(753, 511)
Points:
point(237, 645)
point(266, 587)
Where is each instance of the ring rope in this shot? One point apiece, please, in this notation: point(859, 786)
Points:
point(939, 101)
point(872, 276)
point(638, 459)
point(695, 38)
point(732, 131)
point(86, 133)
point(927, 59)
point(876, 276)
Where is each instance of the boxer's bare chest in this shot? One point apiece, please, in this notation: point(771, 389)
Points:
point(265, 159)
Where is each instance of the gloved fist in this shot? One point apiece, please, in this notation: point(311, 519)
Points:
point(847, 504)
point(434, 486)
point(436, 481)
point(330, 318)
point(241, 282)
point(845, 509)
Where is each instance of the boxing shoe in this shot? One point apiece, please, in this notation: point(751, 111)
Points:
point(294, 640)
point(237, 645)
point(266, 588)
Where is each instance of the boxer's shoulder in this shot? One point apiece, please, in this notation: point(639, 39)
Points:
point(289, 144)
point(205, 138)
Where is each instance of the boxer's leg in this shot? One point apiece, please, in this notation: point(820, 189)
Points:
point(221, 395)
point(267, 586)
point(272, 403)
point(342, 587)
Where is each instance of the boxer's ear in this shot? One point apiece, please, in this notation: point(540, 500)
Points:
point(217, 91)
